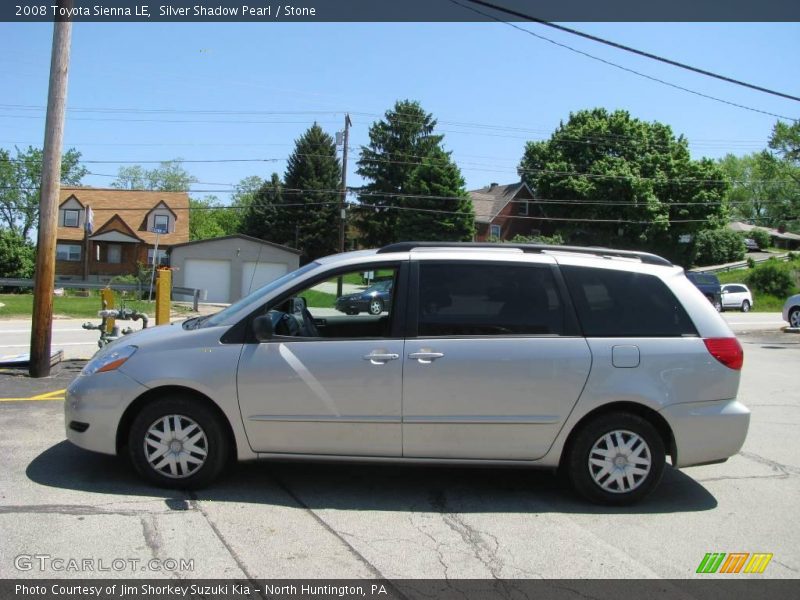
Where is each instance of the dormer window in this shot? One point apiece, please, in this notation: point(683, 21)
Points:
point(161, 223)
point(71, 217)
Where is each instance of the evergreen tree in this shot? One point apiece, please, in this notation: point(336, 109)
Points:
point(262, 214)
point(312, 219)
point(436, 185)
point(404, 156)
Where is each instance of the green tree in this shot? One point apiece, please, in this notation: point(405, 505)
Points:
point(785, 141)
point(404, 156)
point(607, 178)
point(17, 255)
point(169, 176)
point(762, 189)
point(310, 221)
point(204, 222)
point(717, 246)
point(20, 182)
point(260, 219)
point(436, 185)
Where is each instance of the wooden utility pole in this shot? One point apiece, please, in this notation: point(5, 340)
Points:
point(41, 329)
point(342, 209)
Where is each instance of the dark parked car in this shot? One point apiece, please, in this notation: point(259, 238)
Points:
point(709, 285)
point(751, 245)
point(374, 300)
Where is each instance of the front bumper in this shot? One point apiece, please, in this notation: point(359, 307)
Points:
point(98, 401)
point(707, 432)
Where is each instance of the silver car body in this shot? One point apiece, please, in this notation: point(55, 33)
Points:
point(510, 400)
point(791, 310)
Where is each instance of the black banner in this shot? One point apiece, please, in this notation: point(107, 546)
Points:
point(742, 587)
point(267, 11)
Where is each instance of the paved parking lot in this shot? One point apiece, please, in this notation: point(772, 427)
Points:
point(323, 520)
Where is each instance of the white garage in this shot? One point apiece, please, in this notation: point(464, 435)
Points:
point(211, 275)
point(227, 268)
point(256, 274)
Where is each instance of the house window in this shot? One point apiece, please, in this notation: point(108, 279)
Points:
point(162, 257)
point(523, 207)
point(70, 252)
point(494, 230)
point(114, 254)
point(161, 223)
point(71, 217)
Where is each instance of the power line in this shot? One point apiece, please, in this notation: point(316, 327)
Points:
point(546, 172)
point(617, 66)
point(619, 46)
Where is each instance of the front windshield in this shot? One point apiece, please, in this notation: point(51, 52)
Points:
point(254, 299)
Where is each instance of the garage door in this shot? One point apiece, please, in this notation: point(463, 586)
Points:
point(211, 275)
point(254, 275)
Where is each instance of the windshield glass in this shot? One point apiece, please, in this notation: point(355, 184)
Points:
point(255, 298)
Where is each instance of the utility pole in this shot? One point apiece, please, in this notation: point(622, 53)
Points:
point(342, 209)
point(41, 329)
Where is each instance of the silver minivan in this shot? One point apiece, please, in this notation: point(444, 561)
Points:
point(597, 362)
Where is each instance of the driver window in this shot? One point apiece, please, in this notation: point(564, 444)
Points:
point(357, 304)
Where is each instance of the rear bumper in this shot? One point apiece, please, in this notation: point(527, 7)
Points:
point(707, 432)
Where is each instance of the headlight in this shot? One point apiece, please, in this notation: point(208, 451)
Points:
point(110, 361)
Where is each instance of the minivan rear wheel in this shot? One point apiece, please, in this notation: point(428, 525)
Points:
point(177, 442)
point(616, 459)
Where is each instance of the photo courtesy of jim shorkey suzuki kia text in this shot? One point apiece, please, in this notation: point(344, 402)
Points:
point(146, 11)
point(194, 590)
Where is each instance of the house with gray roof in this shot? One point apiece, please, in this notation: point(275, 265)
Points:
point(502, 211)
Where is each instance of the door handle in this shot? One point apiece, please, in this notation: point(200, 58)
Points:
point(425, 357)
point(380, 358)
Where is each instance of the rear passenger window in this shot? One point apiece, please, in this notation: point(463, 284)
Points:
point(488, 299)
point(620, 304)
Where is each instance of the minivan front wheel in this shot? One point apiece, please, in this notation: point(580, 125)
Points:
point(616, 459)
point(178, 442)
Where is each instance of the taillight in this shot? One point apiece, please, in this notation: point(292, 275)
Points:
point(728, 351)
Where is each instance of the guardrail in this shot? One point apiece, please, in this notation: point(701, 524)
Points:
point(91, 285)
point(738, 265)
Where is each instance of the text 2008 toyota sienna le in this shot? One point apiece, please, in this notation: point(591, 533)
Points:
point(597, 362)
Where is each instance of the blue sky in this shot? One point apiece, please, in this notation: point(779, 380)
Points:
point(490, 86)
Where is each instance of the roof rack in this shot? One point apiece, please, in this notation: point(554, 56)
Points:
point(644, 257)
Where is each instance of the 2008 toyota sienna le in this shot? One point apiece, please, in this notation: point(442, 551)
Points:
point(593, 361)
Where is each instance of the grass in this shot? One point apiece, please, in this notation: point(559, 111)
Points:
point(315, 299)
point(21, 305)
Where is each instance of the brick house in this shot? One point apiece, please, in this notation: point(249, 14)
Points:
point(123, 232)
point(498, 209)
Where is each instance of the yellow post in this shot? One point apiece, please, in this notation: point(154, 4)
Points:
point(163, 290)
point(107, 299)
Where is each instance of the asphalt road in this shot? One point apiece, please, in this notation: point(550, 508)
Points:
point(318, 520)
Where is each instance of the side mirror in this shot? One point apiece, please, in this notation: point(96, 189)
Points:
point(262, 328)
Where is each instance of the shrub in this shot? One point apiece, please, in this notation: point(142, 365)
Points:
point(553, 240)
point(772, 278)
point(761, 237)
point(717, 246)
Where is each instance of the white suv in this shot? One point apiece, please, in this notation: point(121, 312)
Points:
point(597, 362)
point(736, 296)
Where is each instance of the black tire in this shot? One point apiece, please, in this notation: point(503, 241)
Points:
point(580, 472)
point(216, 444)
point(794, 317)
point(375, 306)
point(746, 306)
point(717, 305)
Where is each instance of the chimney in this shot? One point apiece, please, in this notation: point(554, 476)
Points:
point(492, 185)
